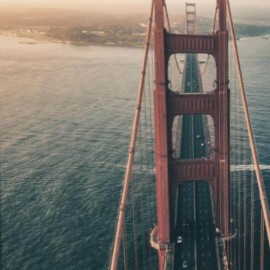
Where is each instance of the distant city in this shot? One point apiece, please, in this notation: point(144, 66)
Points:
point(82, 28)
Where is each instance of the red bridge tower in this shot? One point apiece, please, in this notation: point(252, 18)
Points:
point(172, 172)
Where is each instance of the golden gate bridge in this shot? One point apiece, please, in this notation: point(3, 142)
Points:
point(193, 174)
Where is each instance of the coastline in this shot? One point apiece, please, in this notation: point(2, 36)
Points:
point(32, 38)
point(77, 36)
point(37, 39)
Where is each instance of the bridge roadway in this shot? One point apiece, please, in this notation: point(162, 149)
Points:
point(196, 249)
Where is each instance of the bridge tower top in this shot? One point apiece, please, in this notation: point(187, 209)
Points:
point(191, 18)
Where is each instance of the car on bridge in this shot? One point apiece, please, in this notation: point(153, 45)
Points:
point(185, 264)
point(179, 240)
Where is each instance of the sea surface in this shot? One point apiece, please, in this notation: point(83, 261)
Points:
point(66, 117)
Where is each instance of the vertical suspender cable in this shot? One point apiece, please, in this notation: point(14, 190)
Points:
point(134, 228)
point(150, 158)
point(252, 223)
point(238, 181)
point(262, 244)
point(232, 248)
point(239, 212)
point(263, 198)
point(124, 247)
point(245, 205)
point(122, 207)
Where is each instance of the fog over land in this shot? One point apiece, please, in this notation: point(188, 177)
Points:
point(94, 23)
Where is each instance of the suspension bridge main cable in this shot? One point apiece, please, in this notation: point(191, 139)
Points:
point(122, 207)
point(262, 194)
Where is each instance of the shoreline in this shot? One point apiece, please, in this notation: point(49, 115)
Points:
point(38, 39)
point(35, 38)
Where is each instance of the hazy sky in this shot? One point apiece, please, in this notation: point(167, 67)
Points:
point(74, 3)
point(93, 3)
point(136, 5)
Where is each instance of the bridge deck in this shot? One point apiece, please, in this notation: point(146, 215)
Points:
point(196, 246)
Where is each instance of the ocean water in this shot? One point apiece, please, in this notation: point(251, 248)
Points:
point(66, 116)
point(255, 62)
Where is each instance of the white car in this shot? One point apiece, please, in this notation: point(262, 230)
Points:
point(179, 239)
point(185, 264)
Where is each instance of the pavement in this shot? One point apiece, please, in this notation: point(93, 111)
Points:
point(195, 239)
